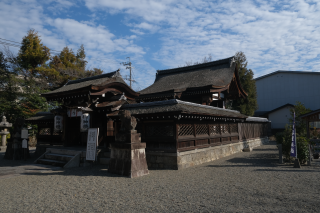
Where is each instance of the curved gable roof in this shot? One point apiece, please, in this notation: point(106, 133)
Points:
point(98, 80)
point(216, 74)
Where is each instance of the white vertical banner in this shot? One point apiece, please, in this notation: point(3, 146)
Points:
point(24, 134)
point(24, 144)
point(85, 122)
point(92, 142)
point(58, 123)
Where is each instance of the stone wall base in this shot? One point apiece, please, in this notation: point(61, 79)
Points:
point(128, 160)
point(181, 160)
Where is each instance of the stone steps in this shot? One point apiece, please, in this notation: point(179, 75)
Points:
point(60, 157)
point(52, 162)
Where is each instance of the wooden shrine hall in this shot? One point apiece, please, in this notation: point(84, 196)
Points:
point(81, 100)
point(181, 117)
point(208, 84)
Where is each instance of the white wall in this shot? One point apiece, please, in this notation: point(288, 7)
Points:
point(282, 88)
point(280, 118)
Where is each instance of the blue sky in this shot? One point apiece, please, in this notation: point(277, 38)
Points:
point(274, 35)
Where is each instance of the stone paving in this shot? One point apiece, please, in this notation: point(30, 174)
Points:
point(243, 182)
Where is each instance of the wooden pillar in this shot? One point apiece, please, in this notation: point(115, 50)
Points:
point(65, 129)
point(176, 135)
point(110, 129)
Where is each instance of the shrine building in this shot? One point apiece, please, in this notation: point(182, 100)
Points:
point(181, 117)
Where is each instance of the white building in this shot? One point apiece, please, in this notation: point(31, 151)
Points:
point(278, 91)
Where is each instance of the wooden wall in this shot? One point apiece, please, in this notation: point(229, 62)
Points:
point(172, 136)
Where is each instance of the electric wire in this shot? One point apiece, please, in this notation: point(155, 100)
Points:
point(58, 52)
point(5, 42)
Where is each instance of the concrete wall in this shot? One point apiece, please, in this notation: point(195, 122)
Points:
point(282, 88)
point(280, 118)
point(187, 159)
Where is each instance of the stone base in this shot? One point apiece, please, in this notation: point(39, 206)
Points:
point(296, 164)
point(247, 149)
point(128, 159)
point(181, 160)
point(16, 154)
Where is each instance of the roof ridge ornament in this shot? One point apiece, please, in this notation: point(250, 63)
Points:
point(123, 97)
point(117, 74)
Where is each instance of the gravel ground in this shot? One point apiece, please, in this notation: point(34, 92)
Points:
point(244, 182)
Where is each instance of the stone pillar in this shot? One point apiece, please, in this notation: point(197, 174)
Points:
point(3, 130)
point(3, 140)
point(128, 156)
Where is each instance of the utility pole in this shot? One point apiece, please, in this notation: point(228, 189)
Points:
point(128, 64)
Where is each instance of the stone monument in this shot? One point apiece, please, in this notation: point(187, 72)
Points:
point(14, 146)
point(128, 156)
point(4, 131)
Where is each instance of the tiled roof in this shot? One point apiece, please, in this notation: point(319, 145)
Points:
point(216, 73)
point(90, 81)
point(175, 105)
point(41, 116)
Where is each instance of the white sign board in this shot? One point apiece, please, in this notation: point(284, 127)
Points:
point(92, 142)
point(24, 134)
point(85, 122)
point(24, 143)
point(58, 123)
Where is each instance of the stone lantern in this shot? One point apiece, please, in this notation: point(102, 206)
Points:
point(3, 129)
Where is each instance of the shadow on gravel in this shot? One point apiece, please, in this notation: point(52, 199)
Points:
point(97, 170)
point(286, 170)
point(263, 160)
point(265, 150)
point(13, 163)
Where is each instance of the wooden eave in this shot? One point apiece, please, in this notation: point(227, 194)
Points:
point(93, 90)
point(181, 115)
point(186, 91)
point(116, 85)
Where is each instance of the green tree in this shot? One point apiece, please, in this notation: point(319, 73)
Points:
point(32, 53)
point(70, 66)
point(9, 90)
point(247, 105)
point(301, 126)
point(32, 72)
point(31, 64)
point(81, 56)
point(285, 138)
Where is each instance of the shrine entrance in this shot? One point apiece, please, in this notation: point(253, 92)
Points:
point(73, 136)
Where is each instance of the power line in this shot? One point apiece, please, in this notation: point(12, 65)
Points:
point(15, 45)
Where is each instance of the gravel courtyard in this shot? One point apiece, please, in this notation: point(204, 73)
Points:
point(244, 182)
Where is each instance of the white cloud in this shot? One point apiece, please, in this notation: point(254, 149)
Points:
point(274, 35)
point(17, 17)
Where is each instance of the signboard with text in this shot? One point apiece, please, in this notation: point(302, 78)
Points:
point(85, 122)
point(58, 123)
point(92, 142)
point(24, 134)
point(24, 144)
